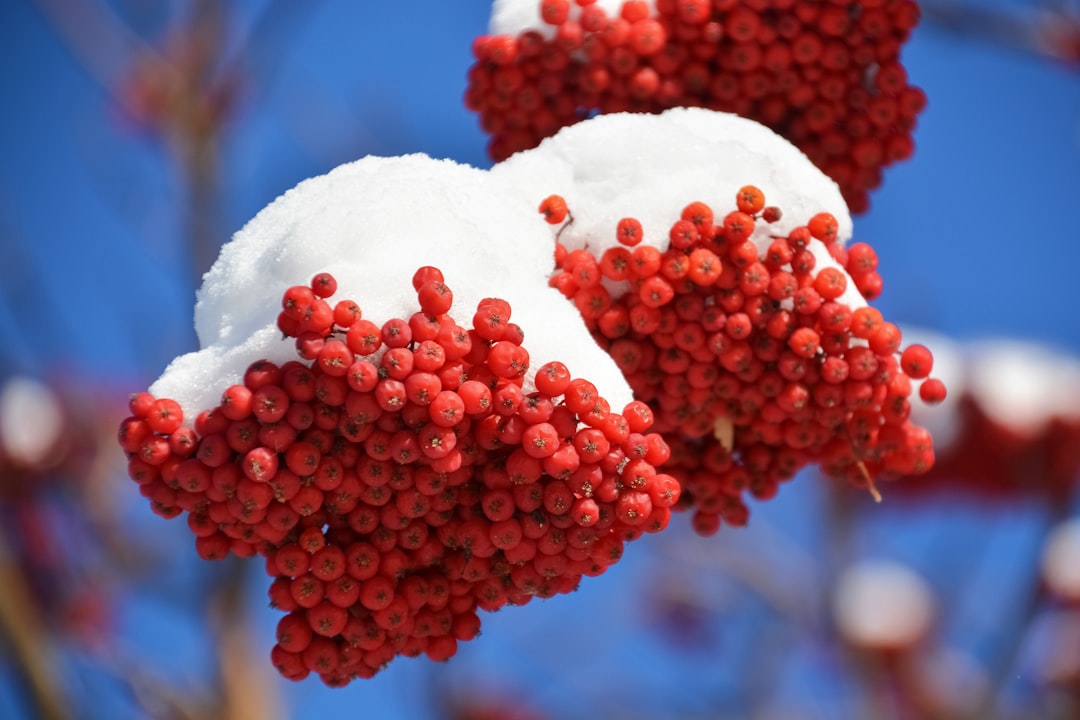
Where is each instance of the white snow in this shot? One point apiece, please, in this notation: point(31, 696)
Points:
point(1022, 385)
point(373, 222)
point(31, 420)
point(652, 166)
point(882, 604)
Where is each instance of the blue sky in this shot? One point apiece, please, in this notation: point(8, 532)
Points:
point(977, 237)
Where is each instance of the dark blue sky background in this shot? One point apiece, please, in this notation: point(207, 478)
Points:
point(977, 234)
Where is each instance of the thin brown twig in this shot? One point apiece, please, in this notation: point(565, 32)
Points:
point(25, 632)
point(244, 683)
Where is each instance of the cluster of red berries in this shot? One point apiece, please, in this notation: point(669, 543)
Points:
point(825, 75)
point(991, 459)
point(398, 478)
point(753, 363)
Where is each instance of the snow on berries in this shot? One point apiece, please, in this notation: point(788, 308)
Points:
point(370, 224)
point(826, 76)
point(366, 415)
point(400, 479)
point(713, 267)
point(753, 365)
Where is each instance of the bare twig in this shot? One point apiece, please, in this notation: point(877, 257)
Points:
point(24, 630)
point(245, 686)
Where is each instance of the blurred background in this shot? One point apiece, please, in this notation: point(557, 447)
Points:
point(137, 135)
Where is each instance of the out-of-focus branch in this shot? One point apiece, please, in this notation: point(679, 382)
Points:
point(98, 38)
point(246, 689)
point(21, 626)
point(185, 90)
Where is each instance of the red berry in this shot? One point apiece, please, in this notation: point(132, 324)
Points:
point(552, 378)
point(750, 199)
point(540, 440)
point(424, 275)
point(823, 227)
point(932, 391)
point(324, 285)
point(346, 312)
point(554, 209)
point(435, 298)
point(629, 231)
point(804, 342)
point(164, 416)
point(140, 404)
point(917, 361)
point(363, 337)
point(885, 339)
point(830, 283)
point(647, 36)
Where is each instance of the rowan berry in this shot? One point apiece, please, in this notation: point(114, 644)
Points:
point(540, 440)
point(554, 12)
point(346, 312)
point(749, 199)
point(645, 261)
point(318, 318)
point(296, 300)
point(435, 298)
point(738, 226)
point(554, 209)
point(683, 235)
point(390, 394)
point(633, 508)
point(165, 416)
point(396, 363)
point(655, 291)
point(830, 283)
point(236, 402)
point(324, 285)
point(491, 318)
point(629, 231)
point(298, 382)
point(447, 409)
point(804, 342)
point(476, 397)
point(426, 274)
point(771, 214)
point(212, 547)
point(823, 226)
point(705, 267)
point(917, 361)
point(334, 357)
point(363, 337)
point(140, 403)
point(287, 324)
point(885, 339)
point(932, 391)
point(309, 343)
point(508, 360)
point(330, 393)
point(799, 238)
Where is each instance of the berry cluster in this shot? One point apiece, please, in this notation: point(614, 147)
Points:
point(398, 478)
point(825, 75)
point(990, 459)
point(1011, 427)
point(754, 362)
